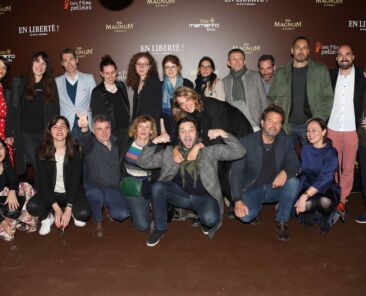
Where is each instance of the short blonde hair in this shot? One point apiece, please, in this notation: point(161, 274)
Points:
point(132, 132)
point(186, 92)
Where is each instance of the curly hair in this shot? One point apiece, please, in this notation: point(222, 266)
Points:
point(186, 92)
point(47, 81)
point(47, 148)
point(133, 78)
point(132, 132)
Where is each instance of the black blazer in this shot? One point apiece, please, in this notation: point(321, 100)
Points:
point(72, 178)
point(101, 104)
point(359, 97)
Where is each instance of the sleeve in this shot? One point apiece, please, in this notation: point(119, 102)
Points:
point(45, 187)
point(236, 176)
point(13, 182)
point(231, 150)
point(86, 141)
point(96, 103)
point(220, 92)
point(326, 177)
point(326, 100)
point(149, 158)
point(291, 162)
point(75, 171)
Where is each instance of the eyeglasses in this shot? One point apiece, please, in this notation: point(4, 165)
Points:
point(142, 65)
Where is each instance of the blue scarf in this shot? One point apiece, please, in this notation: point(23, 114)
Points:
point(168, 92)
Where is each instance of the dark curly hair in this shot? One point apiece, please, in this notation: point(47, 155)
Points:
point(133, 78)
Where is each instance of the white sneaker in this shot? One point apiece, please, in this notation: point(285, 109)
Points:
point(79, 223)
point(46, 225)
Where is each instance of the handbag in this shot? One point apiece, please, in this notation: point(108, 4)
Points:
point(131, 186)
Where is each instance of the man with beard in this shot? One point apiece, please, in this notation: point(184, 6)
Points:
point(191, 184)
point(266, 68)
point(302, 88)
point(267, 173)
point(348, 84)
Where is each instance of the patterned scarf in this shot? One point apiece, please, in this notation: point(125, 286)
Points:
point(168, 92)
point(238, 93)
point(190, 167)
point(202, 83)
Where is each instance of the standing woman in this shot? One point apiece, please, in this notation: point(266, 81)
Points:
point(5, 130)
point(319, 193)
point(61, 193)
point(207, 82)
point(109, 98)
point(34, 103)
point(172, 80)
point(143, 78)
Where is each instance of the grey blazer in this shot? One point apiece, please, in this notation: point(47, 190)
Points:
point(254, 93)
point(231, 150)
point(86, 84)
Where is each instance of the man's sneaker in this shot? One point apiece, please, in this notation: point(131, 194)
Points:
point(230, 214)
point(257, 220)
point(78, 223)
point(155, 237)
point(282, 231)
point(361, 219)
point(46, 225)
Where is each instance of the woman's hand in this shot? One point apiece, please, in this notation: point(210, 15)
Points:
point(163, 138)
point(58, 215)
point(177, 156)
point(12, 200)
point(66, 217)
point(301, 203)
point(192, 155)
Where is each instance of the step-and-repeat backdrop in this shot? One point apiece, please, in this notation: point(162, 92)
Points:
point(189, 29)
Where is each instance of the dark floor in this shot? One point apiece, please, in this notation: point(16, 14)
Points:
point(240, 260)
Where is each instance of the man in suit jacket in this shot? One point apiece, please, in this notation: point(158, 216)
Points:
point(191, 184)
point(74, 90)
point(349, 88)
point(244, 88)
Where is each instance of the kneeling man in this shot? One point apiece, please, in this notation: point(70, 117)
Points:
point(267, 173)
point(191, 184)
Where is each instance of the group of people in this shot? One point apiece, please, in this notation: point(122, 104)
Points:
point(142, 148)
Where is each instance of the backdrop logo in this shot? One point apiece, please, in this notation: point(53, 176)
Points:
point(208, 24)
point(325, 49)
point(329, 3)
point(160, 3)
point(119, 27)
point(83, 52)
point(38, 30)
point(358, 24)
point(7, 54)
point(162, 49)
point(5, 9)
point(246, 2)
point(287, 25)
point(248, 48)
point(80, 5)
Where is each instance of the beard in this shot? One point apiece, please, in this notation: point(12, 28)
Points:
point(345, 66)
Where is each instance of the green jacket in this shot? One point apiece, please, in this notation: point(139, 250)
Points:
point(319, 90)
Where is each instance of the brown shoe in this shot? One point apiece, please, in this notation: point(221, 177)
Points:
point(98, 230)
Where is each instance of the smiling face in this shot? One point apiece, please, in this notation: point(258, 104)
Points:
point(2, 152)
point(271, 125)
point(70, 63)
point(142, 67)
point(102, 131)
point(205, 68)
point(187, 134)
point(266, 69)
point(186, 103)
point(109, 74)
point(3, 69)
point(345, 57)
point(39, 66)
point(143, 131)
point(171, 70)
point(59, 131)
point(236, 61)
point(315, 134)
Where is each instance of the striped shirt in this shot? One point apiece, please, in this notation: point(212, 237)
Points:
point(131, 158)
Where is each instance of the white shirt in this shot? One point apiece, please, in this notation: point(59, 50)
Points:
point(60, 186)
point(342, 117)
point(72, 81)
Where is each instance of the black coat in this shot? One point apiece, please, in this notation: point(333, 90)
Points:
point(15, 116)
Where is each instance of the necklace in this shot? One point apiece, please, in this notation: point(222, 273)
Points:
point(111, 88)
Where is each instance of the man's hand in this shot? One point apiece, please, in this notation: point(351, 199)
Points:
point(280, 180)
point(192, 155)
point(215, 133)
point(177, 156)
point(241, 209)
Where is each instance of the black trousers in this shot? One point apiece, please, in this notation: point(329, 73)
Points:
point(6, 212)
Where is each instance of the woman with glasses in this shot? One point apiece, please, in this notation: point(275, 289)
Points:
point(207, 82)
point(143, 79)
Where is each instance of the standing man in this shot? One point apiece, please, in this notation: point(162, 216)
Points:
point(303, 89)
point(349, 88)
point(266, 68)
point(74, 90)
point(244, 88)
point(267, 173)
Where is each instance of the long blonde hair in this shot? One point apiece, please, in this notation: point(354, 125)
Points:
point(188, 93)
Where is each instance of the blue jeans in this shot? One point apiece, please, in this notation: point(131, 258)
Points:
point(204, 206)
point(285, 195)
point(298, 132)
point(101, 196)
point(139, 211)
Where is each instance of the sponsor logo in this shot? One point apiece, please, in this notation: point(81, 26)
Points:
point(248, 48)
point(122, 75)
point(325, 49)
point(38, 30)
point(329, 3)
point(7, 54)
point(79, 5)
point(287, 25)
point(119, 27)
point(160, 3)
point(206, 24)
point(358, 24)
point(246, 2)
point(5, 9)
point(162, 49)
point(83, 52)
